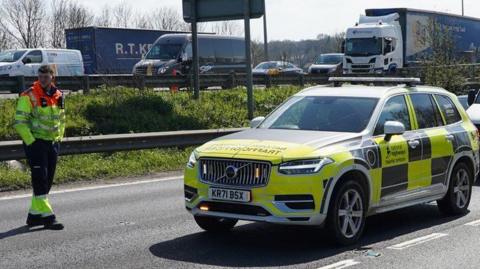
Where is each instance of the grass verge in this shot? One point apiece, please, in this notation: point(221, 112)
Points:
point(90, 167)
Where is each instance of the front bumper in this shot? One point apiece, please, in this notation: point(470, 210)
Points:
point(284, 200)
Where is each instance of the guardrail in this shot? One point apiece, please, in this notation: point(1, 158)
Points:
point(13, 150)
point(87, 82)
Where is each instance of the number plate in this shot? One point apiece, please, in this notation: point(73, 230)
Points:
point(229, 195)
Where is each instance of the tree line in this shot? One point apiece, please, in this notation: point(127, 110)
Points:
point(40, 23)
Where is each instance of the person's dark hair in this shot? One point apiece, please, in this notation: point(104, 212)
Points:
point(46, 69)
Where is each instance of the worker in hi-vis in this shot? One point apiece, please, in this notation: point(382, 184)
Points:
point(40, 122)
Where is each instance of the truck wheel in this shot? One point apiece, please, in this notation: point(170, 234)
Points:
point(213, 224)
point(459, 192)
point(347, 213)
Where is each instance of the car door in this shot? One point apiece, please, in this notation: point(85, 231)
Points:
point(437, 148)
point(457, 135)
point(394, 154)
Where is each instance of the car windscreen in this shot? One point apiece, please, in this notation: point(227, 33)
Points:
point(322, 113)
point(164, 51)
point(11, 56)
point(363, 46)
point(268, 65)
point(329, 59)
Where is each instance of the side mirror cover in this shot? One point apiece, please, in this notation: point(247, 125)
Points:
point(472, 94)
point(392, 128)
point(256, 122)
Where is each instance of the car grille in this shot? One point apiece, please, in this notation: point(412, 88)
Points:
point(249, 173)
point(320, 71)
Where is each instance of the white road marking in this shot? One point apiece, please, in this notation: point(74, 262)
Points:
point(417, 241)
point(96, 187)
point(473, 223)
point(341, 264)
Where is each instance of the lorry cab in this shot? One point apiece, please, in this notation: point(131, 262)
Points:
point(25, 62)
point(374, 45)
point(172, 54)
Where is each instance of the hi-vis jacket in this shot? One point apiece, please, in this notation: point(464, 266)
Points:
point(40, 115)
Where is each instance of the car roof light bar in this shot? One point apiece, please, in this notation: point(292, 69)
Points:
point(410, 82)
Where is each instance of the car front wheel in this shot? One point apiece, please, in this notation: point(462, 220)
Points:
point(346, 217)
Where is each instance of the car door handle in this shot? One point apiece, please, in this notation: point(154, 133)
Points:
point(413, 143)
point(450, 137)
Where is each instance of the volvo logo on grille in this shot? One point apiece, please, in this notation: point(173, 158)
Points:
point(231, 172)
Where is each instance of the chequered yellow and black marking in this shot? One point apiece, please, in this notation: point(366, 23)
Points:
point(400, 167)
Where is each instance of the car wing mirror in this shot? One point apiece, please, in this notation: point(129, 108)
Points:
point(472, 94)
point(392, 128)
point(256, 122)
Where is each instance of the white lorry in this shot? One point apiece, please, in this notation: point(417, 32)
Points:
point(385, 40)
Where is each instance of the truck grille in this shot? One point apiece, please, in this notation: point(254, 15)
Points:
point(142, 70)
point(246, 173)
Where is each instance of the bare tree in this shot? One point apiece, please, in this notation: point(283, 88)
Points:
point(166, 18)
point(142, 21)
point(67, 14)
point(58, 22)
point(79, 16)
point(122, 14)
point(4, 40)
point(104, 19)
point(229, 28)
point(23, 21)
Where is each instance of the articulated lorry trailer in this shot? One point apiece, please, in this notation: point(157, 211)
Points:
point(385, 40)
point(111, 50)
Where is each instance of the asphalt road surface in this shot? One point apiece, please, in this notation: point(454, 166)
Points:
point(145, 225)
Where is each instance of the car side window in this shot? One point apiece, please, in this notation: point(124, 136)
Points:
point(448, 109)
point(426, 111)
point(33, 57)
point(394, 110)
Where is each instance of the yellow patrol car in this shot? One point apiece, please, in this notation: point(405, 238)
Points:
point(336, 154)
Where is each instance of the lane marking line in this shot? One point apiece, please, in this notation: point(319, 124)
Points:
point(341, 264)
point(97, 187)
point(473, 223)
point(417, 241)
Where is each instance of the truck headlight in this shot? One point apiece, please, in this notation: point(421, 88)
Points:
point(303, 166)
point(192, 160)
point(162, 70)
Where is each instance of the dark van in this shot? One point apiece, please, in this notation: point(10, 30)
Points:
point(172, 53)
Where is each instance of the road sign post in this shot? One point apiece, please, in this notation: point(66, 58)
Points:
point(195, 58)
point(195, 11)
point(248, 54)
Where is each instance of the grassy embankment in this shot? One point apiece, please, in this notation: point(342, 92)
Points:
point(122, 110)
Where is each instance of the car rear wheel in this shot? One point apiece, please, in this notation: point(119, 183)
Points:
point(346, 215)
point(213, 224)
point(457, 199)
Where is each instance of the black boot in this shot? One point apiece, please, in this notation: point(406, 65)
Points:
point(34, 220)
point(51, 223)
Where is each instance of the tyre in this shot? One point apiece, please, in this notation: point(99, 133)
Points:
point(347, 213)
point(459, 192)
point(212, 224)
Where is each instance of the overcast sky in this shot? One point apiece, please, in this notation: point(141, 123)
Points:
point(305, 19)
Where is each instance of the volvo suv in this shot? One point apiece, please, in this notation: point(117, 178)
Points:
point(334, 155)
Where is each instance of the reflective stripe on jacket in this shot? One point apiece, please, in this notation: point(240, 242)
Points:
point(40, 115)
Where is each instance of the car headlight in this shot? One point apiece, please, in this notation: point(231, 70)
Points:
point(192, 160)
point(303, 166)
